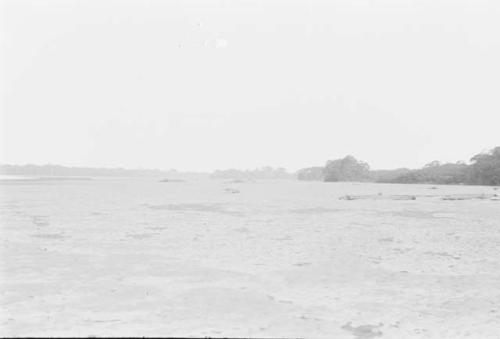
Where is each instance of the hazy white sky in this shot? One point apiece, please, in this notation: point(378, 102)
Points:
point(200, 85)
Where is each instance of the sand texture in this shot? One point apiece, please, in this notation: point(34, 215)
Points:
point(138, 257)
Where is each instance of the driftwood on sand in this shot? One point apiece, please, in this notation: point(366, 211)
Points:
point(231, 190)
point(471, 197)
point(451, 197)
point(378, 197)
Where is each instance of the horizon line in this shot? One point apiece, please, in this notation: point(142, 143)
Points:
point(208, 171)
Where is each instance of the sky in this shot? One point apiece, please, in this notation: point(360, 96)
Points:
point(205, 85)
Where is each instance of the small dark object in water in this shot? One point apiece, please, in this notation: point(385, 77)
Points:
point(171, 180)
point(347, 197)
point(433, 187)
point(404, 197)
point(237, 181)
point(364, 331)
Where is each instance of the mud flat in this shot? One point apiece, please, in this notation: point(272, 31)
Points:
point(278, 259)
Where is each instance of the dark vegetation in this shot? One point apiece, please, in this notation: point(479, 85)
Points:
point(347, 169)
point(483, 169)
point(486, 168)
point(436, 173)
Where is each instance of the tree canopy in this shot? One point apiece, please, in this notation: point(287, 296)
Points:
point(346, 169)
point(484, 169)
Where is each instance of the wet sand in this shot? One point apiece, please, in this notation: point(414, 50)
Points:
point(134, 257)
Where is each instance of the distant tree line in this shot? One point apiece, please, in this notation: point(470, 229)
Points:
point(311, 174)
point(345, 169)
point(484, 169)
point(57, 170)
point(434, 173)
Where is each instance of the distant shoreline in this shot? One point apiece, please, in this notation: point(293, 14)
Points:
point(483, 170)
